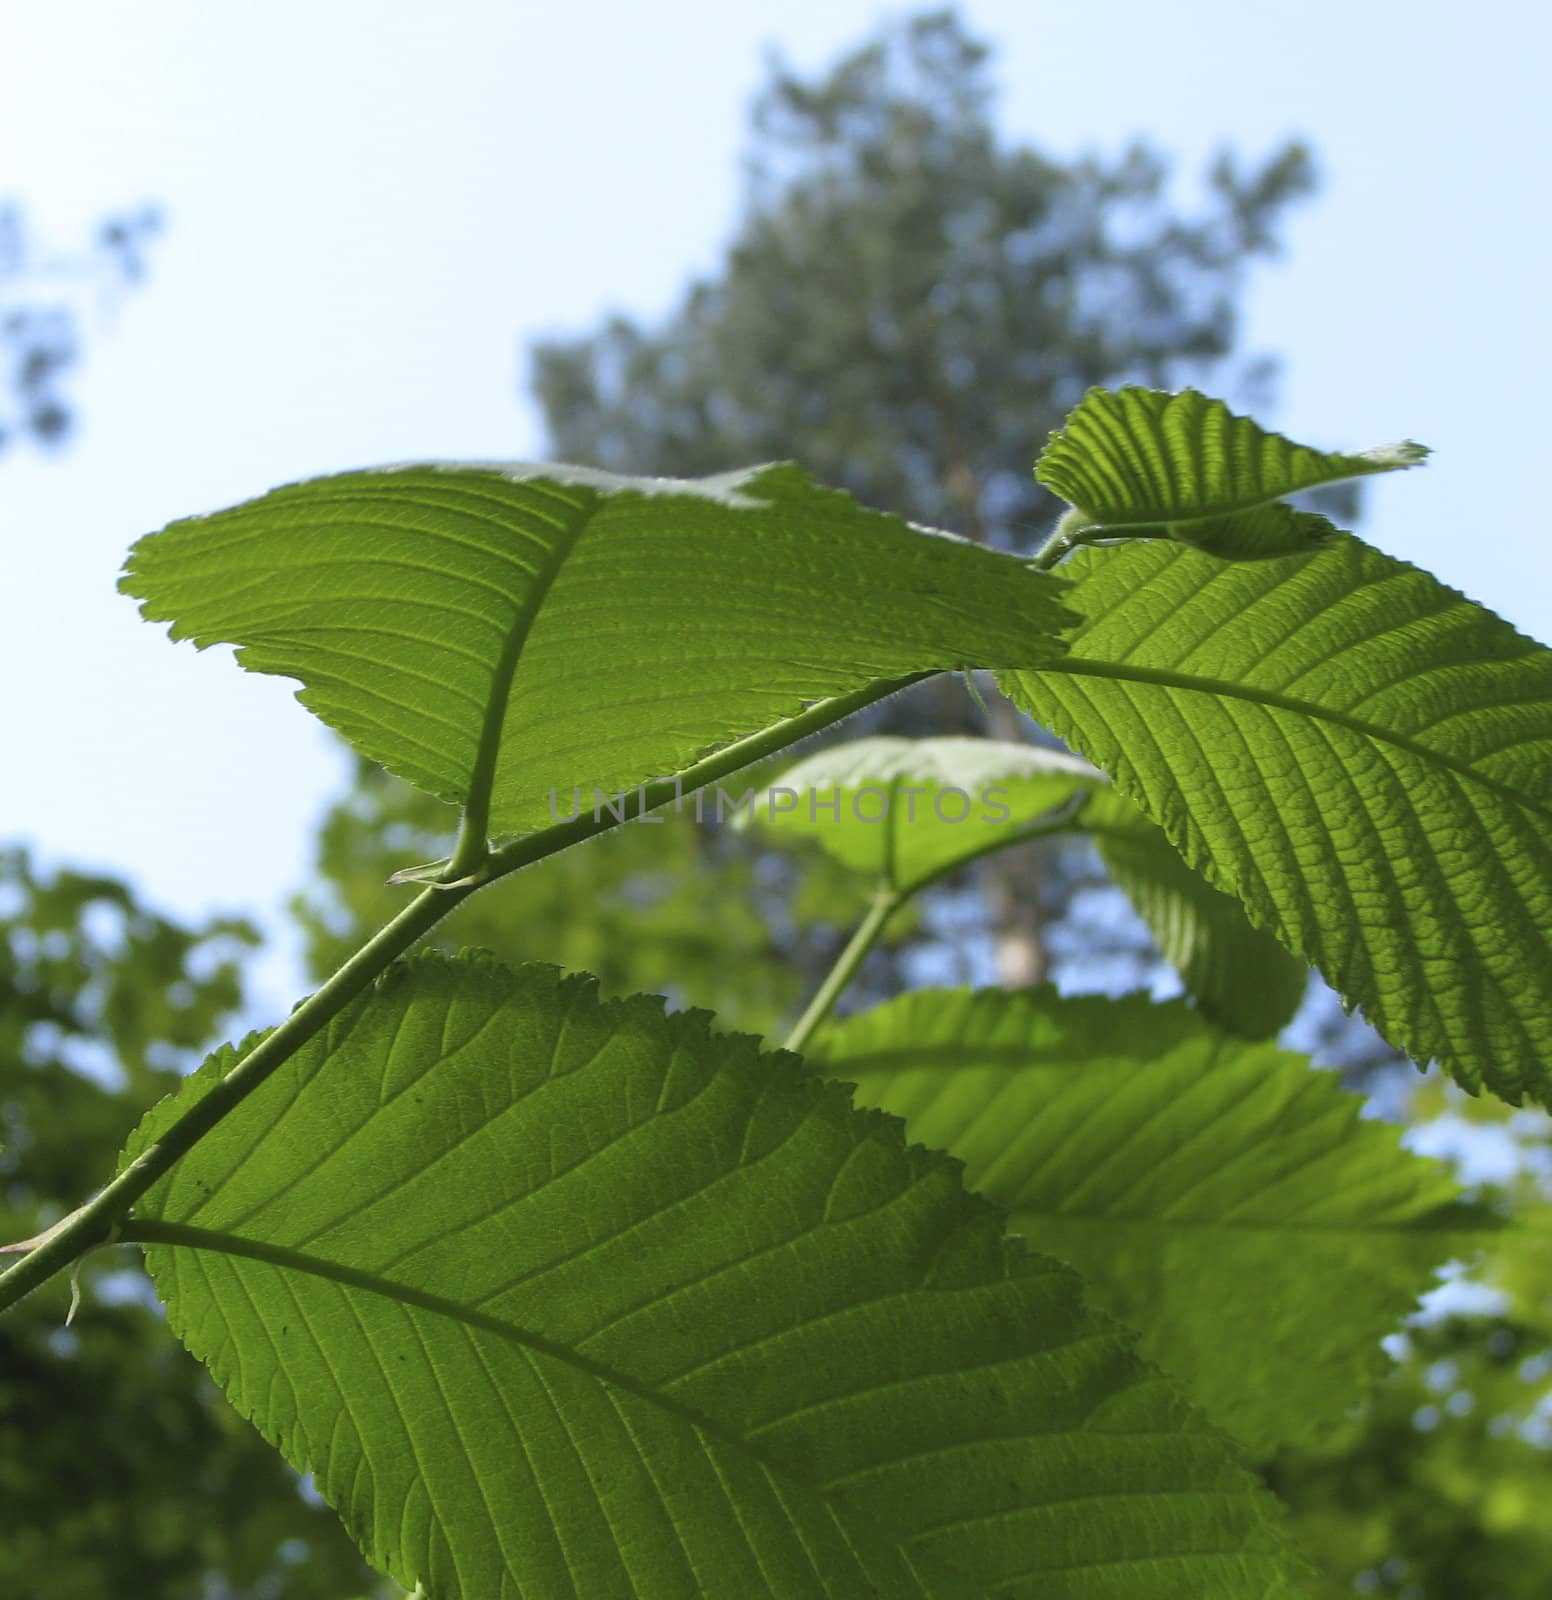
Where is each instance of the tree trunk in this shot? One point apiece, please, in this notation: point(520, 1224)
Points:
point(1011, 884)
point(1010, 878)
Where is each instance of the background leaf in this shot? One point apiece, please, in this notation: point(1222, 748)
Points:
point(1219, 1196)
point(1241, 978)
point(531, 628)
point(1357, 753)
point(910, 810)
point(565, 1298)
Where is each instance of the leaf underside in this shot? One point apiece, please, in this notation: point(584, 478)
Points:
point(1220, 1196)
point(517, 630)
point(559, 1298)
point(1357, 753)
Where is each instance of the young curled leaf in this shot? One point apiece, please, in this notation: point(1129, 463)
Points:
point(1139, 462)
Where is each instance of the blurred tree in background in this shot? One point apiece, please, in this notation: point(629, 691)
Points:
point(909, 304)
point(44, 298)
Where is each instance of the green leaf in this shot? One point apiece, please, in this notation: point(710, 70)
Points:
point(908, 811)
point(1359, 755)
point(1142, 459)
point(512, 632)
point(557, 1297)
point(1241, 978)
point(1218, 1195)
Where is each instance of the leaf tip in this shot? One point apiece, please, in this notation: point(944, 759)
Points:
point(1400, 455)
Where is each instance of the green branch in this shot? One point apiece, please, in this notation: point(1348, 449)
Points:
point(93, 1223)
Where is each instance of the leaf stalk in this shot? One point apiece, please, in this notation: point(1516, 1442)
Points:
point(867, 934)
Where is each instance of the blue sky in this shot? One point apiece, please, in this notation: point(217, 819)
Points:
point(372, 206)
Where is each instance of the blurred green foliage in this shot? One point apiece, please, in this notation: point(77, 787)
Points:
point(122, 1470)
point(1438, 1489)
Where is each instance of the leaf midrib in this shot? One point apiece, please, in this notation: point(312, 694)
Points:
point(482, 775)
point(1152, 519)
point(1193, 683)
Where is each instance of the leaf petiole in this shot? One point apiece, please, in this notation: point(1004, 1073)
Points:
point(868, 932)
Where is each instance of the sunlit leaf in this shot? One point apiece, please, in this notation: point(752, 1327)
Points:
point(1221, 1197)
point(1241, 978)
point(556, 1297)
point(525, 631)
point(908, 810)
point(1359, 754)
